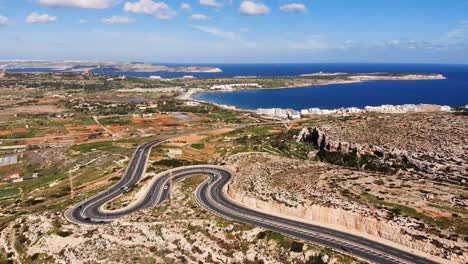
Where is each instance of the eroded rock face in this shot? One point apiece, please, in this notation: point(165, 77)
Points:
point(430, 165)
point(312, 135)
point(322, 141)
point(314, 191)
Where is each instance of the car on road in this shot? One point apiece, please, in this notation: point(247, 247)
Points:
point(166, 187)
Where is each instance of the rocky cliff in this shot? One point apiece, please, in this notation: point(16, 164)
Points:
point(385, 158)
point(309, 191)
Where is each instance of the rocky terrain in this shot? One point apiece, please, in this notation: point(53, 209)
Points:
point(434, 145)
point(182, 233)
point(368, 203)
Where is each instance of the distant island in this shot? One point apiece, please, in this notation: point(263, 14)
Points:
point(315, 79)
point(377, 76)
point(92, 66)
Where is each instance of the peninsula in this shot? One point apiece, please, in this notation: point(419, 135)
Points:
point(93, 66)
point(316, 79)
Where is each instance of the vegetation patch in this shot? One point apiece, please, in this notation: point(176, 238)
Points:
point(198, 146)
point(398, 209)
point(9, 193)
point(173, 163)
point(120, 120)
point(284, 242)
point(84, 148)
point(28, 134)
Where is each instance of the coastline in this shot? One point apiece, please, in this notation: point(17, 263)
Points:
point(187, 96)
point(383, 109)
point(361, 78)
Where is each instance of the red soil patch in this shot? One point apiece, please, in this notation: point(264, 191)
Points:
point(434, 213)
point(12, 131)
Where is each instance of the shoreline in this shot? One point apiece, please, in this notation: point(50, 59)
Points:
point(187, 96)
point(383, 109)
point(361, 78)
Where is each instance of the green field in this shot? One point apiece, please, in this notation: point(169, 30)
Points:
point(223, 115)
point(84, 148)
point(198, 146)
point(29, 134)
point(122, 120)
point(259, 130)
point(9, 193)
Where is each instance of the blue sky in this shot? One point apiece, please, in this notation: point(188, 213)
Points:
point(230, 31)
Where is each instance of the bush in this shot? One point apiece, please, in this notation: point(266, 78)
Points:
point(297, 246)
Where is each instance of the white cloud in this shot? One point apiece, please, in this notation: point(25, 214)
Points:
point(3, 20)
point(226, 35)
point(312, 43)
point(83, 21)
point(392, 43)
point(199, 17)
point(159, 10)
point(88, 4)
point(186, 7)
point(118, 20)
point(253, 9)
point(412, 45)
point(212, 3)
point(456, 33)
point(459, 32)
point(294, 8)
point(218, 32)
point(40, 18)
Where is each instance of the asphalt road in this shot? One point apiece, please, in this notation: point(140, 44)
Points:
point(211, 195)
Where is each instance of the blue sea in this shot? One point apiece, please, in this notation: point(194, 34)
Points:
point(453, 91)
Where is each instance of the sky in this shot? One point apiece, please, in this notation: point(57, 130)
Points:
point(236, 31)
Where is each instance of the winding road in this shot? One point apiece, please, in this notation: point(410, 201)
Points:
point(211, 194)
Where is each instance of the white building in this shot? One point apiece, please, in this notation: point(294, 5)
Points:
point(236, 85)
point(445, 108)
point(192, 103)
point(317, 111)
point(293, 114)
point(8, 160)
point(279, 113)
point(351, 110)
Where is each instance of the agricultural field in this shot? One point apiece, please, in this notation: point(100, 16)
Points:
point(74, 136)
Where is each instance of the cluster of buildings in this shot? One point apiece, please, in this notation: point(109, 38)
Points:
point(228, 87)
point(144, 107)
point(16, 177)
point(120, 78)
point(157, 77)
point(278, 113)
point(318, 111)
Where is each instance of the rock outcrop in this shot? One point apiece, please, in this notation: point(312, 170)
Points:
point(427, 165)
point(320, 193)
